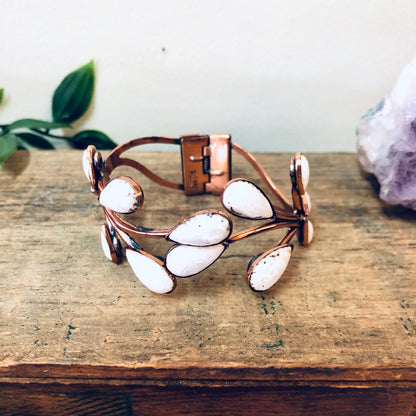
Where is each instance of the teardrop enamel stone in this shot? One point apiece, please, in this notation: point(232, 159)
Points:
point(105, 245)
point(305, 233)
point(308, 203)
point(245, 199)
point(305, 171)
point(150, 272)
point(122, 195)
point(204, 228)
point(87, 162)
point(111, 245)
point(267, 269)
point(89, 168)
point(184, 261)
point(309, 226)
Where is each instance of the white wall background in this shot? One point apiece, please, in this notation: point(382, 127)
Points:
point(278, 75)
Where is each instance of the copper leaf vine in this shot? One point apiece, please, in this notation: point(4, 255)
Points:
point(70, 101)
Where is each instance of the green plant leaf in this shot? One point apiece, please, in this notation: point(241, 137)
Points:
point(35, 140)
point(1, 94)
point(31, 123)
point(73, 95)
point(8, 145)
point(86, 137)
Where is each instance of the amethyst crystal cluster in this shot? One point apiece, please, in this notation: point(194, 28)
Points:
point(386, 142)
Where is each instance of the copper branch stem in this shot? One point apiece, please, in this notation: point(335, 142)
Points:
point(113, 159)
point(136, 230)
point(264, 176)
point(288, 236)
point(285, 217)
point(260, 229)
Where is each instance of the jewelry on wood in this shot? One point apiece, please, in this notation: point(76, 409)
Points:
point(204, 235)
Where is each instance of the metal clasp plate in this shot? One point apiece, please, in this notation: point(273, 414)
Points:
point(206, 163)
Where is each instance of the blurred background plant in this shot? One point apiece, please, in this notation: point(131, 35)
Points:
point(70, 101)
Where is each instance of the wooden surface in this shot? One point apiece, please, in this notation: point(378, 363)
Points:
point(339, 328)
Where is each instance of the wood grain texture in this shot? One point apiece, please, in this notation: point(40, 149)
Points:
point(343, 314)
point(212, 401)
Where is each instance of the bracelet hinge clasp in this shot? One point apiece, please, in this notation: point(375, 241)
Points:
point(206, 163)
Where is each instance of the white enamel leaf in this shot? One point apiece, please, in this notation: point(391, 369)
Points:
point(122, 195)
point(150, 273)
point(88, 166)
point(245, 199)
point(267, 269)
point(87, 163)
point(305, 171)
point(203, 228)
point(305, 233)
point(111, 245)
point(105, 244)
point(310, 232)
point(308, 202)
point(184, 261)
point(299, 171)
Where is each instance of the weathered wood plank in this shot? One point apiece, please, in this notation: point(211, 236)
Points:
point(196, 401)
point(344, 310)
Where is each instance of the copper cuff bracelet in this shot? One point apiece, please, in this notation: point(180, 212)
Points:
point(204, 235)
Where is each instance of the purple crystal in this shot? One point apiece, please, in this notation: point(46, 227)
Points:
point(386, 141)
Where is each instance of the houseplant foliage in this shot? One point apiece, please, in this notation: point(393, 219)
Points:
point(70, 101)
